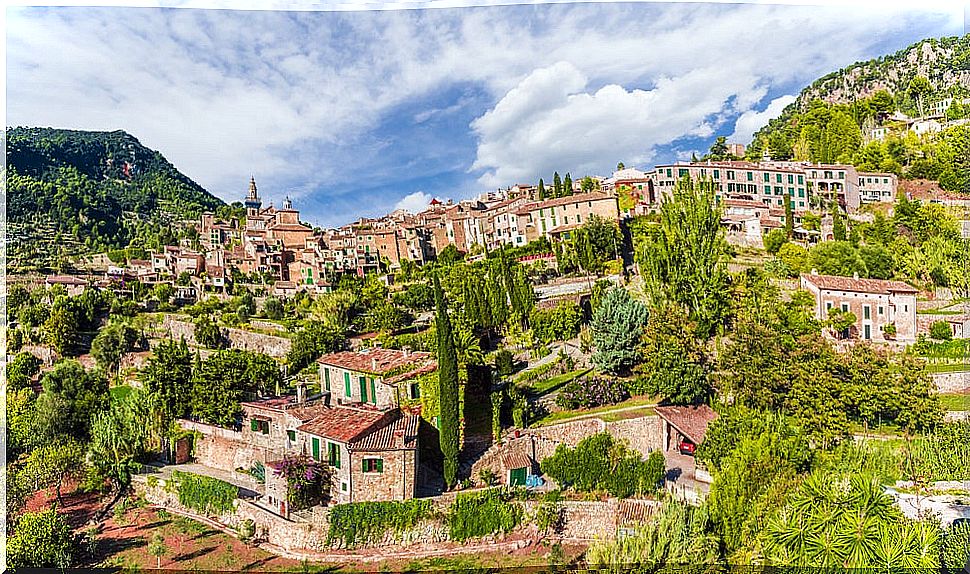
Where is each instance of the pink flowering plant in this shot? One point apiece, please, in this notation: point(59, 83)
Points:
point(307, 481)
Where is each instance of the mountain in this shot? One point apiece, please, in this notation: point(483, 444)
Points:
point(832, 120)
point(73, 192)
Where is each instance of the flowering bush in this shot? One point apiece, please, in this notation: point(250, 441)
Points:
point(589, 392)
point(307, 481)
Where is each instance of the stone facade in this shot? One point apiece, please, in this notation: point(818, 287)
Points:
point(395, 479)
point(874, 302)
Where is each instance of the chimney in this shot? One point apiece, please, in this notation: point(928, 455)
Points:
point(373, 364)
point(855, 275)
point(406, 350)
point(814, 271)
point(301, 393)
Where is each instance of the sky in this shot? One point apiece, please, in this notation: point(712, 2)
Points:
point(354, 112)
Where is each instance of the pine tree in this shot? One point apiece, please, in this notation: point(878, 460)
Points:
point(447, 388)
point(542, 190)
point(567, 185)
point(789, 217)
point(556, 185)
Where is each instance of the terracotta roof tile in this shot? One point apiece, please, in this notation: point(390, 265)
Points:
point(401, 434)
point(834, 282)
point(346, 424)
point(377, 361)
point(692, 422)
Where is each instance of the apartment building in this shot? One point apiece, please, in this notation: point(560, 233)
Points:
point(556, 217)
point(768, 183)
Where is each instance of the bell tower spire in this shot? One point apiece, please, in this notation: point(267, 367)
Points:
point(253, 203)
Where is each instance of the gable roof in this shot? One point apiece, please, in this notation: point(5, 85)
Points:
point(837, 283)
point(691, 421)
point(347, 424)
point(400, 434)
point(374, 360)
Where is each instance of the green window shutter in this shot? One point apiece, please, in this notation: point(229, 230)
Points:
point(265, 425)
point(373, 392)
point(316, 448)
point(253, 425)
point(363, 389)
point(380, 465)
point(363, 465)
point(347, 384)
point(291, 434)
point(326, 376)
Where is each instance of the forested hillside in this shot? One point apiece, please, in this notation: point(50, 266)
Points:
point(72, 192)
point(833, 119)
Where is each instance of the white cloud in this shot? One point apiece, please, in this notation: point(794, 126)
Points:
point(295, 97)
point(414, 202)
point(751, 120)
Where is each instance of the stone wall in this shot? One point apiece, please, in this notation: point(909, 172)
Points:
point(643, 434)
point(951, 382)
point(238, 338)
point(307, 530)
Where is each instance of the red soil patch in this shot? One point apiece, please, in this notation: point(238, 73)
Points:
point(76, 507)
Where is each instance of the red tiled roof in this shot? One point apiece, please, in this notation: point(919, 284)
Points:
point(401, 434)
point(516, 459)
point(346, 424)
point(692, 421)
point(836, 283)
point(377, 361)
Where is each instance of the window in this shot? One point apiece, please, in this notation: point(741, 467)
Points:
point(750, 176)
point(343, 486)
point(880, 310)
point(333, 454)
point(373, 392)
point(669, 174)
point(414, 391)
point(845, 307)
point(867, 329)
point(681, 172)
point(347, 384)
point(717, 174)
point(363, 390)
point(373, 465)
point(791, 178)
point(291, 434)
point(259, 426)
point(767, 190)
point(866, 312)
point(828, 305)
point(767, 177)
point(579, 218)
point(801, 179)
point(326, 377)
point(315, 445)
point(841, 175)
point(730, 174)
point(777, 178)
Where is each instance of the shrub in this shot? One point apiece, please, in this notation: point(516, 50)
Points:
point(363, 522)
point(504, 362)
point(940, 331)
point(203, 493)
point(589, 392)
point(479, 514)
point(600, 462)
point(556, 324)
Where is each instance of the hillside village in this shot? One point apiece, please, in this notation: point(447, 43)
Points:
point(716, 354)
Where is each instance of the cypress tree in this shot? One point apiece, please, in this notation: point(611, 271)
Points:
point(838, 224)
point(789, 217)
point(447, 388)
point(556, 185)
point(542, 190)
point(567, 185)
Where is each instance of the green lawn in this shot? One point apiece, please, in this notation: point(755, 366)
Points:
point(955, 402)
point(120, 392)
point(947, 367)
point(606, 412)
point(547, 386)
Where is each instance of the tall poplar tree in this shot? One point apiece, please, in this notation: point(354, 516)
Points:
point(789, 217)
point(542, 190)
point(556, 185)
point(567, 185)
point(447, 388)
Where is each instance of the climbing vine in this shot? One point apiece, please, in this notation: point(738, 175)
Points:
point(364, 522)
point(205, 494)
point(476, 514)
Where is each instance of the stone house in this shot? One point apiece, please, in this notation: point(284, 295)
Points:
point(382, 378)
point(73, 285)
point(876, 303)
point(373, 453)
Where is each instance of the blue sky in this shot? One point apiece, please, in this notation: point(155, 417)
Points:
point(354, 113)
